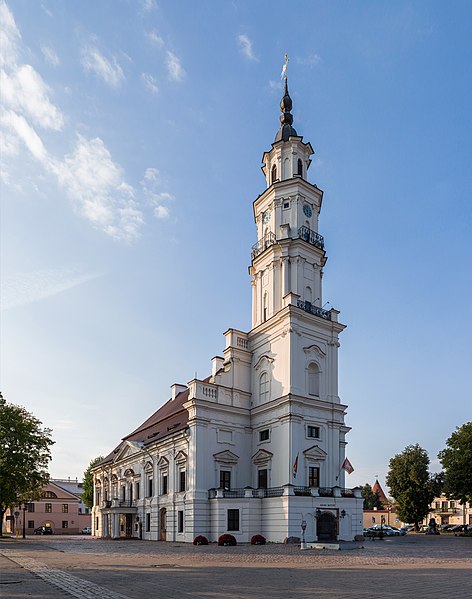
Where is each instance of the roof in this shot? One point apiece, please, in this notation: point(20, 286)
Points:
point(169, 419)
point(378, 489)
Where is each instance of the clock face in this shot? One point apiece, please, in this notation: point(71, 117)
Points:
point(307, 210)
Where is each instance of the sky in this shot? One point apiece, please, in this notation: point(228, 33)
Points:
point(132, 136)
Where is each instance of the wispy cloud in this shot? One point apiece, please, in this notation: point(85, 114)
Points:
point(108, 71)
point(155, 39)
point(174, 67)
point(29, 287)
point(152, 186)
point(312, 60)
point(150, 83)
point(245, 45)
point(50, 56)
point(148, 5)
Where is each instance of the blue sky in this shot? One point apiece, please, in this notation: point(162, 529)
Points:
point(132, 142)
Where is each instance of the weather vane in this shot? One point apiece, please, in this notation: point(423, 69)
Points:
point(284, 68)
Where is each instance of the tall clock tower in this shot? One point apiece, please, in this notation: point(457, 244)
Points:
point(294, 341)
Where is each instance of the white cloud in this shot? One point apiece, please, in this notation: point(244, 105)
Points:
point(150, 83)
point(24, 91)
point(245, 45)
point(50, 56)
point(312, 60)
point(161, 212)
point(18, 124)
point(29, 287)
point(109, 71)
point(174, 67)
point(148, 5)
point(151, 174)
point(155, 39)
point(96, 185)
point(9, 36)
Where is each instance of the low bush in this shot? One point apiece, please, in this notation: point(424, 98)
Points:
point(200, 540)
point(226, 539)
point(258, 540)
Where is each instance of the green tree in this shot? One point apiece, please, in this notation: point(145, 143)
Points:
point(456, 459)
point(24, 456)
point(371, 499)
point(411, 484)
point(87, 495)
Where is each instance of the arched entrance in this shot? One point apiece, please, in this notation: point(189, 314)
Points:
point(162, 523)
point(326, 527)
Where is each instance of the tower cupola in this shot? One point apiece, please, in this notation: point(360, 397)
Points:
point(286, 118)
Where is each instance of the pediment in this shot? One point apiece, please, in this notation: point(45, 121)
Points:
point(314, 350)
point(163, 462)
point(264, 360)
point(226, 456)
point(123, 452)
point(262, 456)
point(181, 457)
point(315, 453)
point(148, 466)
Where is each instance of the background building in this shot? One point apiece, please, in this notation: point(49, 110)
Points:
point(258, 446)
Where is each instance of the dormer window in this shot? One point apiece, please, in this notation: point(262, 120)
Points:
point(274, 174)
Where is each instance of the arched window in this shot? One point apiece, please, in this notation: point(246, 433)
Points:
point(286, 173)
point(264, 387)
point(300, 168)
point(265, 307)
point(274, 174)
point(308, 295)
point(313, 379)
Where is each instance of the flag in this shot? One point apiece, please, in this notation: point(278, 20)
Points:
point(295, 467)
point(347, 466)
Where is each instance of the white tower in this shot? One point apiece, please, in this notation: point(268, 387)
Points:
point(294, 341)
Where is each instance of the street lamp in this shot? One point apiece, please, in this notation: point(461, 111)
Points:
point(303, 527)
point(24, 520)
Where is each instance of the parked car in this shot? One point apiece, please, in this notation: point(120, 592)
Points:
point(400, 531)
point(43, 530)
point(86, 531)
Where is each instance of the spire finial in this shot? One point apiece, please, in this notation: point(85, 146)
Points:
point(286, 119)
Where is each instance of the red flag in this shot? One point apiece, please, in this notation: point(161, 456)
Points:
point(295, 467)
point(347, 466)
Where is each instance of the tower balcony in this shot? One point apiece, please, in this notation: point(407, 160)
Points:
point(311, 237)
point(315, 310)
point(259, 247)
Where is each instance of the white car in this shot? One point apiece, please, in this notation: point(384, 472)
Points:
point(86, 531)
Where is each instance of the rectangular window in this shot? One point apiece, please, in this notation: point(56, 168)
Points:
point(137, 490)
point(436, 505)
point(48, 508)
point(123, 493)
point(96, 523)
point(164, 484)
point(313, 431)
point(65, 508)
point(264, 435)
point(65, 524)
point(262, 479)
point(97, 498)
point(149, 487)
point(444, 505)
point(30, 523)
point(286, 205)
point(182, 481)
point(233, 519)
point(148, 522)
point(313, 476)
point(180, 521)
point(452, 504)
point(30, 507)
point(225, 480)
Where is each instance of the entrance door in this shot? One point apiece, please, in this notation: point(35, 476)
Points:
point(162, 524)
point(326, 527)
point(129, 525)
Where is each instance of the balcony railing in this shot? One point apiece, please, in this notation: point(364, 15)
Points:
point(250, 493)
point(311, 237)
point(303, 491)
point(445, 510)
point(315, 310)
point(128, 503)
point(268, 240)
point(325, 491)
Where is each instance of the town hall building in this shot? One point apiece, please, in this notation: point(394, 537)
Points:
point(258, 446)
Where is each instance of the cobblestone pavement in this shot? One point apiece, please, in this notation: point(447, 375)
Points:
point(396, 568)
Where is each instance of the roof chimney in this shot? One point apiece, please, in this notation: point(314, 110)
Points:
point(216, 364)
point(176, 388)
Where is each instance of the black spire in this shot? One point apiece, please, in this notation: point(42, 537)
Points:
point(286, 118)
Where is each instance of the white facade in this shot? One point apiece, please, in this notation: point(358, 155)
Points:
point(257, 447)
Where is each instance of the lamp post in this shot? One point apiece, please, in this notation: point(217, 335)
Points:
point(382, 522)
point(303, 527)
point(24, 520)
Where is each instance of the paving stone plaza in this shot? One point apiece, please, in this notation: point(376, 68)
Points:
point(416, 565)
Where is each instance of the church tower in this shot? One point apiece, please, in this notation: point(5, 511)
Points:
point(294, 341)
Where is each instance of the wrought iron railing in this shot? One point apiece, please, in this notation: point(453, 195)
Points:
point(128, 503)
point(347, 492)
point(273, 492)
point(226, 493)
point(325, 491)
point(305, 491)
point(315, 310)
point(268, 240)
point(311, 237)
point(445, 510)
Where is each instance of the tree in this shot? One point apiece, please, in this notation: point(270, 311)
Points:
point(456, 459)
point(411, 484)
point(371, 499)
point(87, 495)
point(24, 456)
